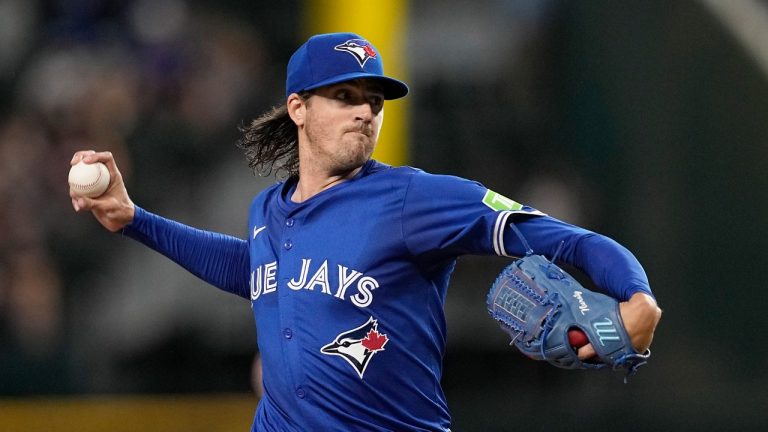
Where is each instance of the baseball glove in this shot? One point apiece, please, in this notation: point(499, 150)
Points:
point(537, 303)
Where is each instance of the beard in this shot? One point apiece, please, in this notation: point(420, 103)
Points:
point(343, 153)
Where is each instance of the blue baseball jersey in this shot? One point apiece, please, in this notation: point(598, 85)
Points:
point(348, 288)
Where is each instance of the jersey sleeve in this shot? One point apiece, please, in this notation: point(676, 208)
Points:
point(447, 216)
point(218, 259)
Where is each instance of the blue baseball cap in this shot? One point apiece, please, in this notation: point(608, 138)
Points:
point(332, 58)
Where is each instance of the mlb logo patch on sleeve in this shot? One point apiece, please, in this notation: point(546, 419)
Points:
point(499, 202)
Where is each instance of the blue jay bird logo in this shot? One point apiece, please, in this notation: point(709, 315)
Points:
point(360, 49)
point(357, 346)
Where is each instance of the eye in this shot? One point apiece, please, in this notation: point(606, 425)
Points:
point(376, 100)
point(342, 95)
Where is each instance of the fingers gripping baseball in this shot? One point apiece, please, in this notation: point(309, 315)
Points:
point(113, 208)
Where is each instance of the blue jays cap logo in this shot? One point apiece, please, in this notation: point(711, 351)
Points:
point(360, 49)
point(319, 62)
point(358, 346)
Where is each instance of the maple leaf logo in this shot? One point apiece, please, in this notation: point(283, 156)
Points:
point(358, 346)
point(375, 341)
point(369, 51)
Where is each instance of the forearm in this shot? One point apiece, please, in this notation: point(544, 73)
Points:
point(609, 265)
point(218, 259)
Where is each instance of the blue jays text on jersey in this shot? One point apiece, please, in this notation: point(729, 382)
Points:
point(264, 281)
point(348, 288)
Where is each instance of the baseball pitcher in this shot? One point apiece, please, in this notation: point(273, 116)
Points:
point(347, 262)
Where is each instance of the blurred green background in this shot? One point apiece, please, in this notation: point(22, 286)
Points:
point(645, 121)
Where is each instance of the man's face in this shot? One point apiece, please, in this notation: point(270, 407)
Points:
point(342, 124)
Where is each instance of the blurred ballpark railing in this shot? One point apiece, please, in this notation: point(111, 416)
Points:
point(115, 413)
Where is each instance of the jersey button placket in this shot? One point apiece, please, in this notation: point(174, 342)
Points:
point(289, 223)
point(287, 311)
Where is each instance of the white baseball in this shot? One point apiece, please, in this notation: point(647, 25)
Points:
point(89, 180)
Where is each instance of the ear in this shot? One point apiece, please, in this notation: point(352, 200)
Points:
point(297, 108)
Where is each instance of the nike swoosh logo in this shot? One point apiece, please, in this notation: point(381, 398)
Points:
point(256, 230)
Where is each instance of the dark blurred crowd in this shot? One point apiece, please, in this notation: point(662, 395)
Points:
point(164, 82)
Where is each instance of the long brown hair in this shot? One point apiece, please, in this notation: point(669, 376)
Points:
point(271, 142)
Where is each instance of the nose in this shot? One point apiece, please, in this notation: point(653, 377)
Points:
point(364, 112)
